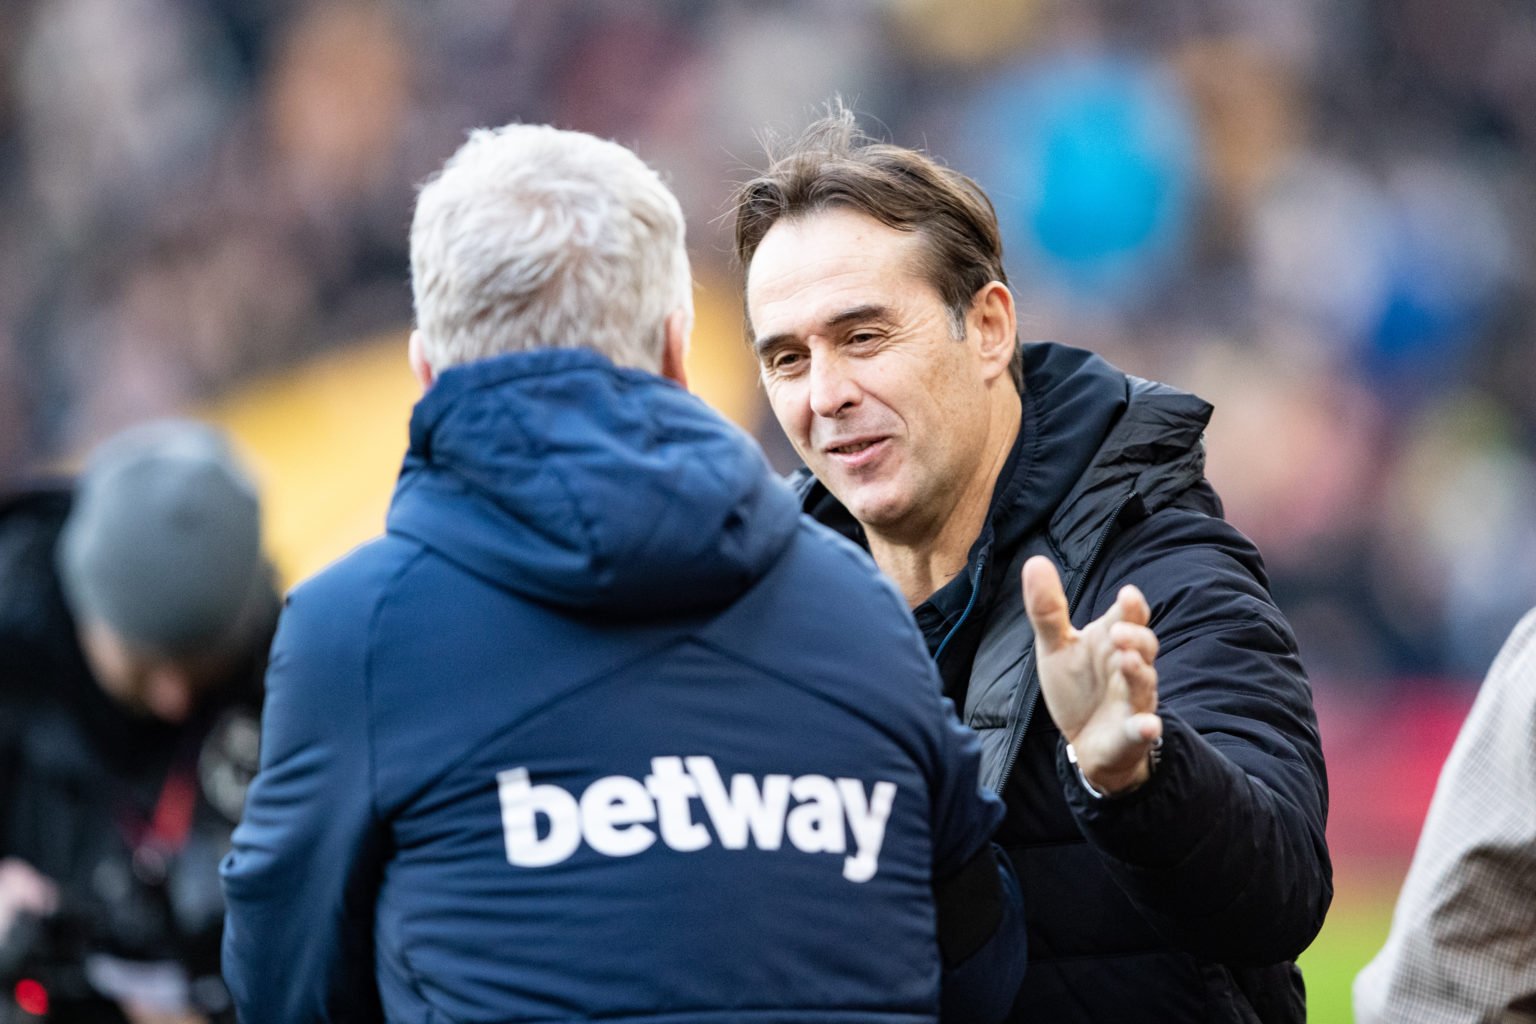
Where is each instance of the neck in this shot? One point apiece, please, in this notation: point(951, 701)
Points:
point(921, 558)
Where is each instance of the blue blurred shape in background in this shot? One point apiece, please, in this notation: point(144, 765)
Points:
point(1093, 161)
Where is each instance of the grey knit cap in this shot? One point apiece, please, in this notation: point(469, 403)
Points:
point(163, 543)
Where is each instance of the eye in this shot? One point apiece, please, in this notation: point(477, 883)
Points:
point(785, 362)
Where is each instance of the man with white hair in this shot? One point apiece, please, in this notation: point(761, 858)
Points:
point(601, 727)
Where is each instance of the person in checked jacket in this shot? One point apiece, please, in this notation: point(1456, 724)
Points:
point(1462, 949)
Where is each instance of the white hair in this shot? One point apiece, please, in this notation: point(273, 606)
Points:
point(535, 237)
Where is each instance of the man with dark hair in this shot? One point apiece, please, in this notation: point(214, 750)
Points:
point(538, 753)
point(135, 611)
point(1166, 806)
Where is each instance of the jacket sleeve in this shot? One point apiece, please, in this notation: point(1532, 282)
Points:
point(1463, 942)
point(1223, 848)
point(300, 877)
point(977, 898)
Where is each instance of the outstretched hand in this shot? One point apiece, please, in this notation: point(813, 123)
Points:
point(1098, 682)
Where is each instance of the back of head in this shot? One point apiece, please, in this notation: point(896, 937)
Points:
point(834, 165)
point(533, 237)
point(163, 542)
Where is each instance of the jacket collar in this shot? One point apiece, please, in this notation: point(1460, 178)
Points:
point(1089, 435)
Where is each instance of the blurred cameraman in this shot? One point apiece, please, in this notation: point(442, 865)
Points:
point(136, 608)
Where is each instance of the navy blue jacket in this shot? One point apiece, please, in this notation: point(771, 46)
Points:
point(602, 727)
point(1190, 898)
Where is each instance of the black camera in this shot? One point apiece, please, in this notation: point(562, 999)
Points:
point(137, 922)
point(76, 965)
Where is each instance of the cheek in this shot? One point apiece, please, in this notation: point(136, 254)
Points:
point(947, 396)
point(790, 407)
point(116, 671)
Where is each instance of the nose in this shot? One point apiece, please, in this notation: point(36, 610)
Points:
point(169, 693)
point(833, 387)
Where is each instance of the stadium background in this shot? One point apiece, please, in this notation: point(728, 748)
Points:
point(1317, 215)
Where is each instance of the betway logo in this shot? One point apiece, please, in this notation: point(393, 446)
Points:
point(615, 814)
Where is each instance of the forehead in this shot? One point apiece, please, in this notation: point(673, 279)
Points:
point(808, 269)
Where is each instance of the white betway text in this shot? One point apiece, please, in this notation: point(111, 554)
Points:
point(615, 814)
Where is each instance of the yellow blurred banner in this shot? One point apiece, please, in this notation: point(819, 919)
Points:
point(325, 439)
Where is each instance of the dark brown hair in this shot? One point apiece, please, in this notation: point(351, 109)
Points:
point(833, 164)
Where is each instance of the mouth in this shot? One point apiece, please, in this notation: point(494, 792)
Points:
point(857, 452)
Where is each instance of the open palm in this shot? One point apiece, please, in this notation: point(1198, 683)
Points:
point(1098, 682)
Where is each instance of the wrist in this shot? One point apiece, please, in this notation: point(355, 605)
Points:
point(1101, 783)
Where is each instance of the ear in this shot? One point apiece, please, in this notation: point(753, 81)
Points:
point(674, 350)
point(993, 320)
point(419, 365)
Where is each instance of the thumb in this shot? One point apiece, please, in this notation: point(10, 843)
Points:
point(1046, 604)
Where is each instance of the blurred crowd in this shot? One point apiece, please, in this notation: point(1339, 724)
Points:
point(1317, 215)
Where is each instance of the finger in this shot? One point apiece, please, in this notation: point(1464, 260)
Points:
point(1143, 728)
point(1132, 605)
point(1108, 662)
point(1128, 637)
point(1046, 604)
point(1140, 681)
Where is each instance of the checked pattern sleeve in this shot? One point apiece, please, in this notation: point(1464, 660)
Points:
point(1463, 941)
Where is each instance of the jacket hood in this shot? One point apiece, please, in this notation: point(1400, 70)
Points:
point(1093, 435)
point(575, 483)
point(1090, 434)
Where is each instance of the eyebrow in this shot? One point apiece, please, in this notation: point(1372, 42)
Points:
point(854, 314)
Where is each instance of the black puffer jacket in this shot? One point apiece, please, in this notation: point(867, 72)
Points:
point(1188, 899)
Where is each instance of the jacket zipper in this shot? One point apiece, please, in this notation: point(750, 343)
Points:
point(981, 564)
point(1031, 684)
